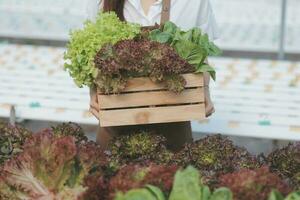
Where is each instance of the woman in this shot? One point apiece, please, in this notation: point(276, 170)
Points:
point(186, 14)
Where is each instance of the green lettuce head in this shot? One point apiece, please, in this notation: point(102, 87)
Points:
point(84, 43)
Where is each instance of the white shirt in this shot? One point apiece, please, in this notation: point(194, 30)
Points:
point(184, 13)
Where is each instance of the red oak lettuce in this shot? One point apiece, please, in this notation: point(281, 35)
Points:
point(253, 184)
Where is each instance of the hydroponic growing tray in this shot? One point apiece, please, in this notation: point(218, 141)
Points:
point(145, 102)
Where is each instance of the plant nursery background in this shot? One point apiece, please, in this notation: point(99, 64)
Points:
point(256, 95)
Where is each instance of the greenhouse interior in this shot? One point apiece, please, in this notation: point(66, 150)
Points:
point(153, 133)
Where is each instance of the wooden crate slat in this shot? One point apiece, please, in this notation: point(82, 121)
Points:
point(195, 95)
point(151, 115)
point(144, 84)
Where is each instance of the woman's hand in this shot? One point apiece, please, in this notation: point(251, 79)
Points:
point(94, 104)
point(209, 106)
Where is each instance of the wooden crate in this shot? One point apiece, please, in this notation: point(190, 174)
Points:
point(145, 102)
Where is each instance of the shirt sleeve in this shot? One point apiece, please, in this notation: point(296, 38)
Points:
point(92, 8)
point(207, 21)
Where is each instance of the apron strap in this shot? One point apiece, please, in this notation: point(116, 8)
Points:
point(165, 13)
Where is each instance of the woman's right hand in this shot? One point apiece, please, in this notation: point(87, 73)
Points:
point(94, 104)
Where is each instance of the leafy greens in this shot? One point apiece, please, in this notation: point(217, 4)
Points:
point(192, 45)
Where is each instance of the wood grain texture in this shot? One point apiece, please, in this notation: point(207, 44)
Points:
point(144, 84)
point(153, 98)
point(152, 115)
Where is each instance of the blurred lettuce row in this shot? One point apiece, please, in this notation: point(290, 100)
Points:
point(213, 156)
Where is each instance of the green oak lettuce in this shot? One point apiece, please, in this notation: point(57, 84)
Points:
point(83, 45)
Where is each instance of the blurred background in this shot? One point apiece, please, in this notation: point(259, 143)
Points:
point(256, 95)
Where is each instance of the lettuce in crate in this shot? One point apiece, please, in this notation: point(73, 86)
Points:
point(84, 43)
point(139, 57)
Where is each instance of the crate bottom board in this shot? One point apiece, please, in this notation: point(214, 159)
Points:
point(151, 115)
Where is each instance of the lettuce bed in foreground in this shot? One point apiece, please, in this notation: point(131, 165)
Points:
point(60, 164)
point(50, 167)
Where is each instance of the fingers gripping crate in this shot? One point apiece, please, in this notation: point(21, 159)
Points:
point(145, 102)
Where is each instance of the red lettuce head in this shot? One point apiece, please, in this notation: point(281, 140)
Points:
point(253, 184)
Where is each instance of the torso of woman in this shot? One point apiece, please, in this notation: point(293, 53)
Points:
point(184, 13)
